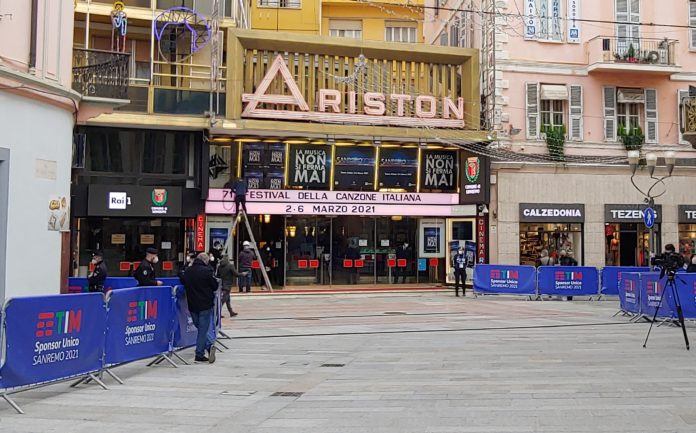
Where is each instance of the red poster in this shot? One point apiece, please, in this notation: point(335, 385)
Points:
point(200, 232)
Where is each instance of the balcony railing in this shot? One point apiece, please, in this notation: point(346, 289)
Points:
point(632, 51)
point(100, 74)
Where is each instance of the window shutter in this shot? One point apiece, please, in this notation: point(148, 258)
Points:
point(692, 23)
point(575, 132)
point(609, 113)
point(681, 94)
point(651, 132)
point(622, 29)
point(532, 110)
point(634, 18)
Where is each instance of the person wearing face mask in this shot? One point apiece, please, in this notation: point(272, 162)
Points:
point(459, 265)
point(692, 264)
point(245, 259)
point(97, 277)
point(227, 273)
point(145, 274)
point(402, 253)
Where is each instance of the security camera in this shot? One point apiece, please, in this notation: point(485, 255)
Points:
point(483, 208)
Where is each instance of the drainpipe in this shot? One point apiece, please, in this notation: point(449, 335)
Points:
point(32, 39)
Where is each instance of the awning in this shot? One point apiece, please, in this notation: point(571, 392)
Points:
point(555, 92)
point(630, 96)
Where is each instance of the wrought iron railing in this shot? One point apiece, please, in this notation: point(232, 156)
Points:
point(102, 74)
point(641, 51)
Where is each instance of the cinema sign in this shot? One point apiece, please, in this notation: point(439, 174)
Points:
point(333, 109)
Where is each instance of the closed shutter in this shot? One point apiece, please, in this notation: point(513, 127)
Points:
point(680, 97)
point(692, 23)
point(575, 132)
point(651, 132)
point(634, 18)
point(609, 104)
point(532, 110)
point(622, 17)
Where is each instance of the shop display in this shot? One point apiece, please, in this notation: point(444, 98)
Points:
point(534, 238)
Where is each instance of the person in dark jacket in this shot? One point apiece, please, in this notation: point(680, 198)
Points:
point(459, 264)
point(97, 277)
point(240, 190)
point(245, 259)
point(145, 274)
point(227, 274)
point(567, 260)
point(200, 284)
point(692, 264)
point(402, 253)
point(353, 253)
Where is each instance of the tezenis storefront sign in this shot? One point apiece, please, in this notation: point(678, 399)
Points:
point(334, 107)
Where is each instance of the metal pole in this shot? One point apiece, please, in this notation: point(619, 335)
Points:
point(651, 239)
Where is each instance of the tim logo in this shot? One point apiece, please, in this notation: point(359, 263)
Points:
point(58, 323)
point(568, 276)
point(629, 286)
point(654, 287)
point(141, 310)
point(498, 274)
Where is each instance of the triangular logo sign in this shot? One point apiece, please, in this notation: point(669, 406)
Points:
point(295, 97)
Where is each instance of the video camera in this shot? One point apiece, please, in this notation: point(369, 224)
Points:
point(668, 262)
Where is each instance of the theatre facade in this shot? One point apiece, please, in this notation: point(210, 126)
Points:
point(355, 156)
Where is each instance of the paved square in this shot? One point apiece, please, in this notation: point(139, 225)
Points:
point(397, 363)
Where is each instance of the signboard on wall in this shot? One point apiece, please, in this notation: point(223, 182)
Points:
point(573, 23)
point(431, 238)
point(134, 201)
point(354, 168)
point(687, 214)
point(398, 168)
point(439, 170)
point(475, 179)
point(552, 212)
point(629, 213)
point(309, 166)
point(263, 165)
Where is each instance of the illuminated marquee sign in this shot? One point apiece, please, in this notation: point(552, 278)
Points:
point(332, 108)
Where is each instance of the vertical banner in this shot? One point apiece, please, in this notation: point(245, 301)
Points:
point(432, 238)
point(475, 180)
point(398, 168)
point(200, 232)
point(354, 168)
point(652, 288)
point(611, 276)
point(568, 280)
point(138, 323)
point(629, 292)
point(52, 337)
point(309, 166)
point(439, 170)
point(482, 239)
point(531, 19)
point(572, 23)
point(502, 279)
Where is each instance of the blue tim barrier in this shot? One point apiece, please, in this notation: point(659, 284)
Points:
point(502, 279)
point(686, 289)
point(611, 276)
point(568, 280)
point(652, 288)
point(170, 281)
point(139, 324)
point(629, 292)
point(50, 338)
point(184, 332)
point(79, 284)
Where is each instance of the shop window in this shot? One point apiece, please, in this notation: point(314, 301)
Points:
point(687, 240)
point(345, 28)
point(400, 31)
point(554, 238)
point(629, 244)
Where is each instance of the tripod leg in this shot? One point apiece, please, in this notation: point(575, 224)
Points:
point(680, 313)
point(652, 322)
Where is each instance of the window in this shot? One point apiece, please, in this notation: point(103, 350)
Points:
point(345, 29)
point(628, 115)
point(627, 11)
point(295, 4)
point(630, 108)
point(454, 32)
point(550, 27)
point(443, 38)
point(692, 24)
point(400, 32)
point(551, 112)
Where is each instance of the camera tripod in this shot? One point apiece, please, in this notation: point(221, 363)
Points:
point(671, 276)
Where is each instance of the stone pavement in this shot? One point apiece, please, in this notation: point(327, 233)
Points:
point(398, 363)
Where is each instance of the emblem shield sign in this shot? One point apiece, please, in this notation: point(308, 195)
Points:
point(159, 196)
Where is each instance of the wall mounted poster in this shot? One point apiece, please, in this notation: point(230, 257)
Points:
point(398, 168)
point(355, 168)
point(439, 170)
point(309, 166)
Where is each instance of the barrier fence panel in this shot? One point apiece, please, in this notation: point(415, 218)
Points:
point(502, 279)
point(629, 292)
point(568, 280)
point(50, 338)
point(170, 281)
point(139, 323)
point(184, 330)
point(652, 288)
point(612, 274)
point(80, 284)
point(686, 287)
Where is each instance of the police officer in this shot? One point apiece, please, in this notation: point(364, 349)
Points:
point(97, 277)
point(459, 264)
point(145, 274)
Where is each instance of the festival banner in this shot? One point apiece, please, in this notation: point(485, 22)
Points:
point(612, 274)
point(354, 168)
point(652, 289)
point(629, 292)
point(439, 170)
point(398, 167)
point(309, 166)
point(568, 280)
point(52, 337)
point(504, 279)
point(138, 324)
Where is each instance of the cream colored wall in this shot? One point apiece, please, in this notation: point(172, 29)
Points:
point(592, 187)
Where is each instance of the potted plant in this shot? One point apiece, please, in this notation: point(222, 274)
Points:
point(631, 137)
point(555, 140)
point(631, 55)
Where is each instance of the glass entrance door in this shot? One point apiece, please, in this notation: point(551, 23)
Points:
point(354, 254)
point(308, 243)
point(396, 243)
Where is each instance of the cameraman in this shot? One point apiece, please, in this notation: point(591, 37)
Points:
point(669, 262)
point(692, 264)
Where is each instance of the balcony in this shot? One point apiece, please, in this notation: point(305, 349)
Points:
point(642, 55)
point(100, 74)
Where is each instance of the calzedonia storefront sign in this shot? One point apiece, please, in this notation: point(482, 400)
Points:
point(552, 213)
point(294, 202)
point(134, 201)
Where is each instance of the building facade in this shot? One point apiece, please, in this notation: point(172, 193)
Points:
point(575, 70)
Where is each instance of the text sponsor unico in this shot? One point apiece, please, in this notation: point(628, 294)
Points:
point(144, 333)
point(60, 350)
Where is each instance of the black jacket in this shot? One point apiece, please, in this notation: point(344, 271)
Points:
point(227, 274)
point(200, 284)
point(691, 268)
point(245, 258)
point(145, 274)
point(568, 261)
point(96, 279)
point(403, 253)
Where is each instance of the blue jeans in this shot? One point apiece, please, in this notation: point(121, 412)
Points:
point(245, 280)
point(201, 320)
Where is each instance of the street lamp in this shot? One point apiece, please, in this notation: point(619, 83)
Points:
point(649, 194)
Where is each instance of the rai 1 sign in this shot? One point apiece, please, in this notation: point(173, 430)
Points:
point(475, 184)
